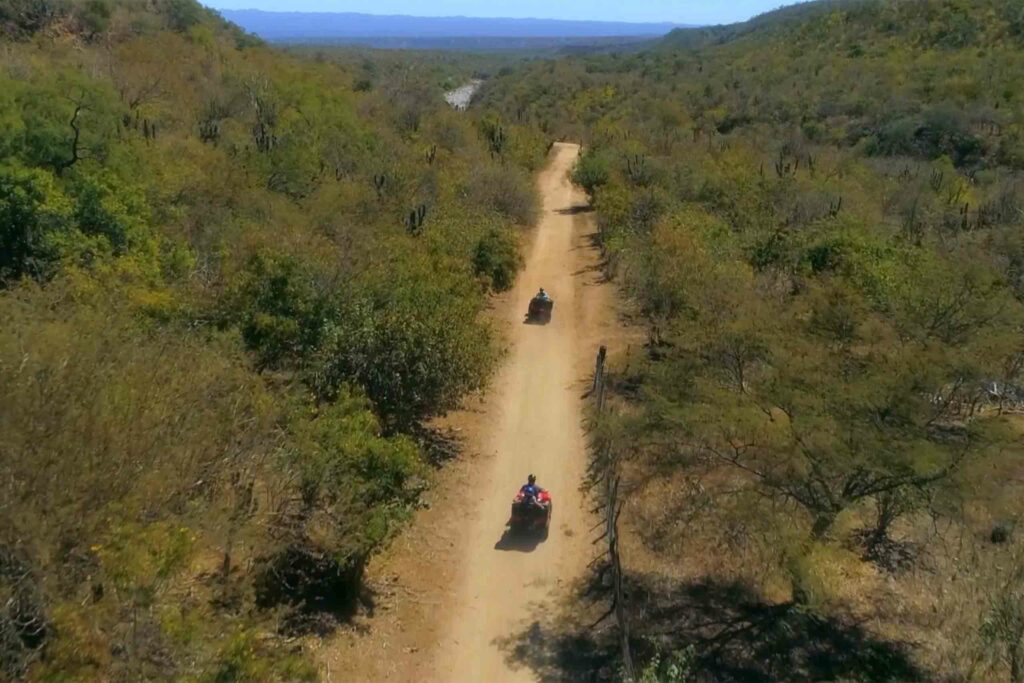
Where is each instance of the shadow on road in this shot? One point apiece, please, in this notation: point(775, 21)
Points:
point(519, 541)
point(734, 635)
point(439, 446)
point(574, 210)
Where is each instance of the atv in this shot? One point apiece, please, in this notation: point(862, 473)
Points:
point(531, 514)
point(540, 310)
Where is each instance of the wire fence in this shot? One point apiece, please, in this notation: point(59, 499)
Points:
point(605, 474)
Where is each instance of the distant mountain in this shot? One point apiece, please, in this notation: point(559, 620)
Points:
point(368, 28)
point(535, 47)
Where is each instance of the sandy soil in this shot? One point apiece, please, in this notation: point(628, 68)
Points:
point(455, 587)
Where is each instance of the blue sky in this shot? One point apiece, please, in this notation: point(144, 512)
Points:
point(680, 11)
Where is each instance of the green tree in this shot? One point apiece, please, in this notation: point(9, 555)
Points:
point(35, 217)
point(403, 342)
point(497, 259)
point(592, 171)
point(279, 308)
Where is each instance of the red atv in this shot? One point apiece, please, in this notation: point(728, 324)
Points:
point(531, 514)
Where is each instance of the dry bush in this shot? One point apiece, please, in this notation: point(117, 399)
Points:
point(507, 191)
point(131, 456)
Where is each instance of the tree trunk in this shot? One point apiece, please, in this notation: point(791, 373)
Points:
point(823, 522)
point(822, 525)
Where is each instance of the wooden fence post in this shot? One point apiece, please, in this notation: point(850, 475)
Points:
point(612, 509)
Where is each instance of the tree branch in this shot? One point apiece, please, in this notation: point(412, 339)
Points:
point(75, 151)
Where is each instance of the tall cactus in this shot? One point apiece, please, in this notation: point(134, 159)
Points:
point(785, 167)
point(497, 139)
point(209, 131)
point(414, 221)
point(636, 168)
point(835, 207)
point(380, 182)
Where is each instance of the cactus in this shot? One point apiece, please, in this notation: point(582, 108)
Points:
point(784, 168)
point(835, 207)
point(209, 130)
point(955, 194)
point(414, 222)
point(636, 168)
point(380, 182)
point(497, 139)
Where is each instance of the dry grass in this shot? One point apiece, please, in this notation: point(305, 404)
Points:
point(700, 531)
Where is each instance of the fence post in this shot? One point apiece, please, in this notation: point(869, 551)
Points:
point(599, 369)
point(611, 479)
point(620, 605)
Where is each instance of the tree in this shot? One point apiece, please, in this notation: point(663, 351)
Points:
point(497, 259)
point(280, 309)
point(34, 216)
point(94, 17)
point(26, 17)
point(825, 411)
point(592, 171)
point(182, 14)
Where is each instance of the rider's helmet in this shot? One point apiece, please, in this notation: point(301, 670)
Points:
point(531, 479)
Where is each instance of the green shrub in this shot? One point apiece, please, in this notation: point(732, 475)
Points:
point(508, 191)
point(939, 131)
point(497, 259)
point(413, 363)
point(34, 218)
point(593, 170)
point(117, 215)
point(278, 308)
point(94, 16)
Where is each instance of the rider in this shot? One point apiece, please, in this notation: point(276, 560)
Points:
point(530, 489)
point(543, 295)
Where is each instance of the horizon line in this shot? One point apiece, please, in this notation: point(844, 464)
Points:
point(462, 16)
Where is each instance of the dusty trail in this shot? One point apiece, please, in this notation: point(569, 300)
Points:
point(536, 428)
point(467, 589)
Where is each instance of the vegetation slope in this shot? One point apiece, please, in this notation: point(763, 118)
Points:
point(817, 217)
point(234, 284)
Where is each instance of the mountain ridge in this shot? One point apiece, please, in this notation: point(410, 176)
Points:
point(338, 25)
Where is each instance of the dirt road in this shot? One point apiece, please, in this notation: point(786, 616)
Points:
point(536, 416)
point(463, 589)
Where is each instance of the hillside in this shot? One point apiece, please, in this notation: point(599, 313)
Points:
point(235, 286)
point(817, 219)
point(921, 25)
